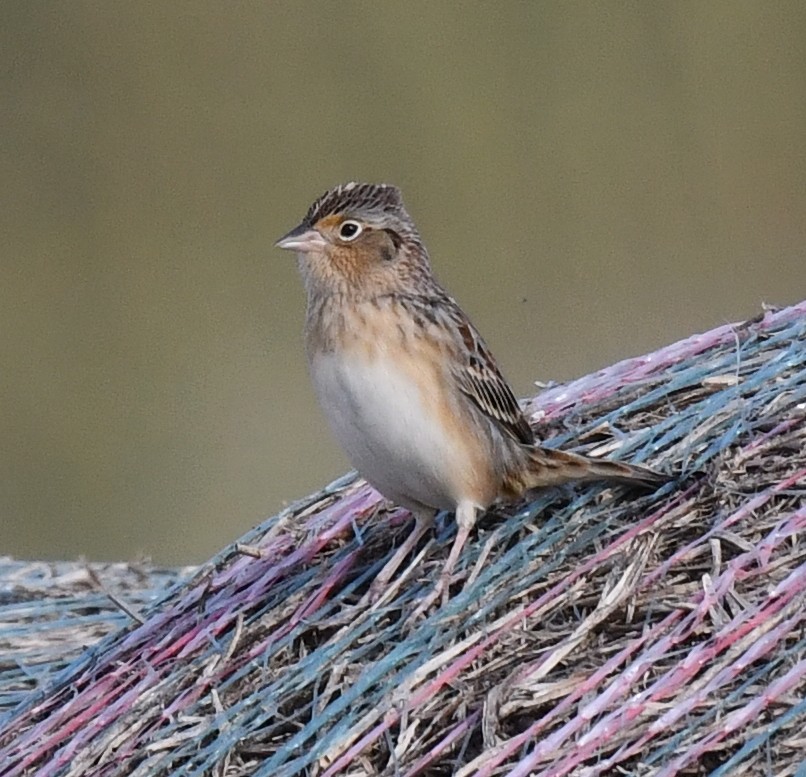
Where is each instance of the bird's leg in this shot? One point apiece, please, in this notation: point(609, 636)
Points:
point(465, 520)
point(423, 522)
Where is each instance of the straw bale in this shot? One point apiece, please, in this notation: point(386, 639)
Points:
point(590, 631)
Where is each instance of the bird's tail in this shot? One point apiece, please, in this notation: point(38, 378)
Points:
point(549, 467)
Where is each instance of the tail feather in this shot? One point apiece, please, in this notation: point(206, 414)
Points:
point(549, 467)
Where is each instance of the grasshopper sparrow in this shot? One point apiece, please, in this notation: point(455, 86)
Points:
point(411, 390)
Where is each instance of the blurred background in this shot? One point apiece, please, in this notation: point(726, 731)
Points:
point(593, 181)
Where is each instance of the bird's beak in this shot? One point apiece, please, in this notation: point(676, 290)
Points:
point(302, 239)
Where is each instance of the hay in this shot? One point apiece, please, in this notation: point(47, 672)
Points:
point(591, 631)
point(51, 611)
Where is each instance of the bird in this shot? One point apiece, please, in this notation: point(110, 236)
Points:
point(410, 389)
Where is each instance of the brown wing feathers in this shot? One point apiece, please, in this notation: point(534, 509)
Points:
point(480, 379)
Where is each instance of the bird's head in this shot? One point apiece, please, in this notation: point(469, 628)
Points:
point(357, 239)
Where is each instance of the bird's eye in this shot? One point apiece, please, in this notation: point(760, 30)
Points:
point(350, 230)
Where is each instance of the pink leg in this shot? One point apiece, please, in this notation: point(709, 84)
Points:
point(465, 520)
point(422, 524)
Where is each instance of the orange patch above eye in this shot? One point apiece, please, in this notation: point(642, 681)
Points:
point(329, 221)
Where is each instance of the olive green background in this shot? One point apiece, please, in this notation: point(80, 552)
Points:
point(593, 179)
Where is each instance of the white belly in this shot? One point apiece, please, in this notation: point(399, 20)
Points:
point(385, 425)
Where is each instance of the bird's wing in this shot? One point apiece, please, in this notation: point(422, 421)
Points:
point(472, 366)
point(479, 378)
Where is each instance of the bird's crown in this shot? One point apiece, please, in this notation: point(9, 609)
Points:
point(359, 199)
